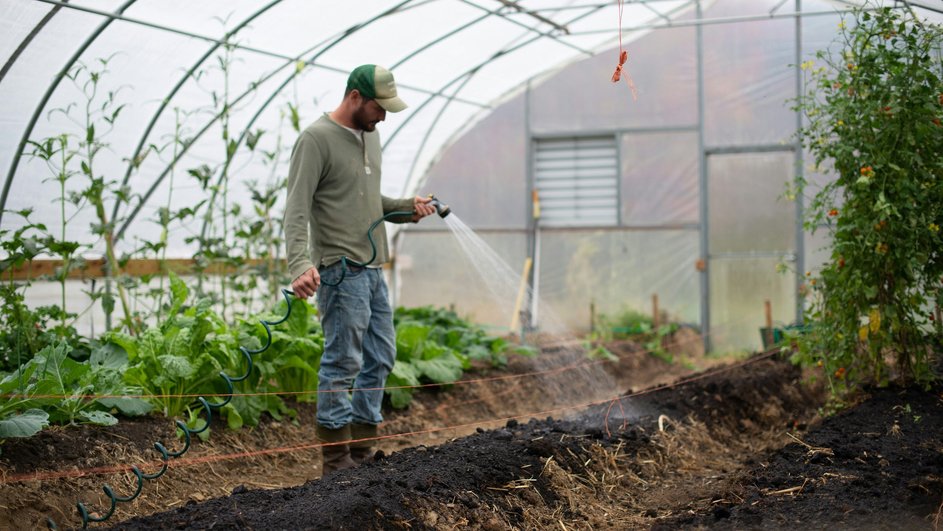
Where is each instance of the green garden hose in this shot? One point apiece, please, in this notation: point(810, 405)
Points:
point(373, 246)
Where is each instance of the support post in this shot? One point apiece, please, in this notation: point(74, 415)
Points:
point(703, 214)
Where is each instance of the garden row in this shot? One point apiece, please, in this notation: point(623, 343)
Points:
point(167, 366)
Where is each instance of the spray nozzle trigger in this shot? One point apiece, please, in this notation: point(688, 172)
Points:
point(441, 208)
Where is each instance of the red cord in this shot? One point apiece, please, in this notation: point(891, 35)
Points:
point(623, 57)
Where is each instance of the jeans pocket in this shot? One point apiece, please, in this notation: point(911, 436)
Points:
point(331, 274)
point(354, 270)
point(335, 273)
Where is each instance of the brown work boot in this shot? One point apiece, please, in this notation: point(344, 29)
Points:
point(335, 452)
point(362, 451)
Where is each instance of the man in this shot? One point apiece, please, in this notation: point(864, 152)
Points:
point(333, 198)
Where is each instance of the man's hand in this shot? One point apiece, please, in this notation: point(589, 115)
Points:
point(422, 208)
point(307, 283)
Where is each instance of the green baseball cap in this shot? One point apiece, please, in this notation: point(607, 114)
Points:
point(376, 83)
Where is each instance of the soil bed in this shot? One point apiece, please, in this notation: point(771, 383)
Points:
point(627, 470)
point(46, 475)
point(739, 446)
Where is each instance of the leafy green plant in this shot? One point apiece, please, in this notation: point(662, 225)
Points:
point(182, 357)
point(874, 110)
point(24, 331)
point(625, 324)
point(436, 346)
point(66, 391)
point(296, 351)
point(289, 365)
point(598, 352)
point(636, 326)
point(24, 424)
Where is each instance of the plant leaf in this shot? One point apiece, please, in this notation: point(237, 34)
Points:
point(132, 407)
point(109, 356)
point(26, 424)
point(100, 418)
point(443, 369)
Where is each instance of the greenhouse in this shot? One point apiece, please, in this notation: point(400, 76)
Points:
point(656, 232)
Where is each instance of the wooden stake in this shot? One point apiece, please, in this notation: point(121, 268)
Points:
point(516, 314)
point(655, 320)
point(769, 323)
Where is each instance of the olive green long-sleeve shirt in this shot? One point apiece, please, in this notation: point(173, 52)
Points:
point(334, 197)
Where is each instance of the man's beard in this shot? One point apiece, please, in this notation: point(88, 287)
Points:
point(361, 122)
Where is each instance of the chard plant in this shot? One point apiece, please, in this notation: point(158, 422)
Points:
point(181, 357)
point(54, 388)
point(874, 108)
point(436, 346)
point(288, 366)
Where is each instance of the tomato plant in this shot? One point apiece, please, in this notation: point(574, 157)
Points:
point(873, 110)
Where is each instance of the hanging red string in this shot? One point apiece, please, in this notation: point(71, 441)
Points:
point(623, 57)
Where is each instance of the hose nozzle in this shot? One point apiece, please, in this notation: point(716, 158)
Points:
point(441, 208)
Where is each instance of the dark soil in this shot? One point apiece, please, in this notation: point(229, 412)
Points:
point(46, 475)
point(878, 465)
point(738, 446)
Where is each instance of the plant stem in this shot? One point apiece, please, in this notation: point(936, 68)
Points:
point(63, 175)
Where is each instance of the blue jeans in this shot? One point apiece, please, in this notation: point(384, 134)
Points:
point(359, 345)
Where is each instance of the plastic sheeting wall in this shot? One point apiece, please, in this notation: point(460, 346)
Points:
point(749, 80)
point(452, 60)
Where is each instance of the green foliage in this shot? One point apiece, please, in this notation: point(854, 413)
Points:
point(295, 354)
point(24, 331)
point(636, 326)
point(97, 113)
point(598, 352)
point(627, 323)
point(25, 424)
point(182, 357)
point(874, 112)
point(65, 390)
point(289, 365)
point(436, 346)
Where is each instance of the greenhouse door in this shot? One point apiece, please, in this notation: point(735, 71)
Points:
point(751, 231)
